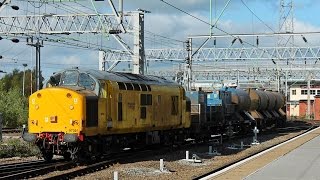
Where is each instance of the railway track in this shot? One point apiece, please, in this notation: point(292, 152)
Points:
point(222, 169)
point(93, 167)
point(37, 168)
point(30, 169)
point(10, 130)
point(100, 165)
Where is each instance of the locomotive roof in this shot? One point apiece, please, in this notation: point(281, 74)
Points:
point(126, 77)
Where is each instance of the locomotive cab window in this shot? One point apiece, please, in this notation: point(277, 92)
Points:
point(69, 78)
point(86, 81)
point(54, 80)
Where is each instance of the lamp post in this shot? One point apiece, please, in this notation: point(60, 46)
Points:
point(23, 79)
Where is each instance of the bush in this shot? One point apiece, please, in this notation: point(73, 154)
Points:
point(14, 108)
point(17, 148)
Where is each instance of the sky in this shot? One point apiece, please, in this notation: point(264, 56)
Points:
point(163, 21)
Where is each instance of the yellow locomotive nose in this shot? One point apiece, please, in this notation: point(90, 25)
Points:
point(56, 110)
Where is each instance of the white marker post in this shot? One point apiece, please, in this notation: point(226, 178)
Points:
point(210, 150)
point(187, 155)
point(161, 165)
point(115, 175)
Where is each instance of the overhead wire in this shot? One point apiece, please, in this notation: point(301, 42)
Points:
point(231, 35)
point(267, 24)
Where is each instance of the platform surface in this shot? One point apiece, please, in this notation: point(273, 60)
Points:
point(302, 163)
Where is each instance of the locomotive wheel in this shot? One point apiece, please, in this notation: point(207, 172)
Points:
point(67, 156)
point(47, 156)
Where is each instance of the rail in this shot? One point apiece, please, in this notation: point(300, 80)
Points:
point(26, 170)
point(10, 130)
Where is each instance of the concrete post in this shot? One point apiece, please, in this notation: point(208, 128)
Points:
point(115, 175)
point(187, 155)
point(161, 165)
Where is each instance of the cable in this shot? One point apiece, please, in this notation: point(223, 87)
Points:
point(264, 22)
point(210, 25)
point(257, 16)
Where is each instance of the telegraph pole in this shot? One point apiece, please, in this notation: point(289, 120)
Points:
point(38, 44)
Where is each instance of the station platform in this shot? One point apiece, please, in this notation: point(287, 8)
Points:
point(301, 163)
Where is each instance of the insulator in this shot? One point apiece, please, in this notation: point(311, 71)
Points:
point(304, 39)
point(15, 40)
point(234, 40)
point(117, 31)
point(1, 57)
point(15, 7)
point(1, 38)
point(215, 41)
point(257, 41)
point(241, 41)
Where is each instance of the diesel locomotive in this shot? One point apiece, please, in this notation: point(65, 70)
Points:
point(89, 112)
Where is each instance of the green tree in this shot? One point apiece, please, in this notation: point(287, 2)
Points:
point(14, 108)
point(13, 105)
point(15, 80)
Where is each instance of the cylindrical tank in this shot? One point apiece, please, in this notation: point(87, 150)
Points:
point(255, 100)
point(259, 100)
point(272, 100)
point(264, 100)
point(280, 100)
point(241, 98)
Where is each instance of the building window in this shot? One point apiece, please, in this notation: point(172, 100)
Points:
point(304, 92)
point(294, 92)
point(313, 92)
point(318, 92)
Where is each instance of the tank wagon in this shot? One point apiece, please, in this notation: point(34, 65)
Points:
point(90, 112)
point(230, 110)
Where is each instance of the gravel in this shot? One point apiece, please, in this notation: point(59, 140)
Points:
point(176, 167)
point(148, 168)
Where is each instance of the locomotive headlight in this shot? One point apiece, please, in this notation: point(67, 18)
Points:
point(71, 107)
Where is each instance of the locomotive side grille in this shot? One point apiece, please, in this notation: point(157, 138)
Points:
point(92, 111)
